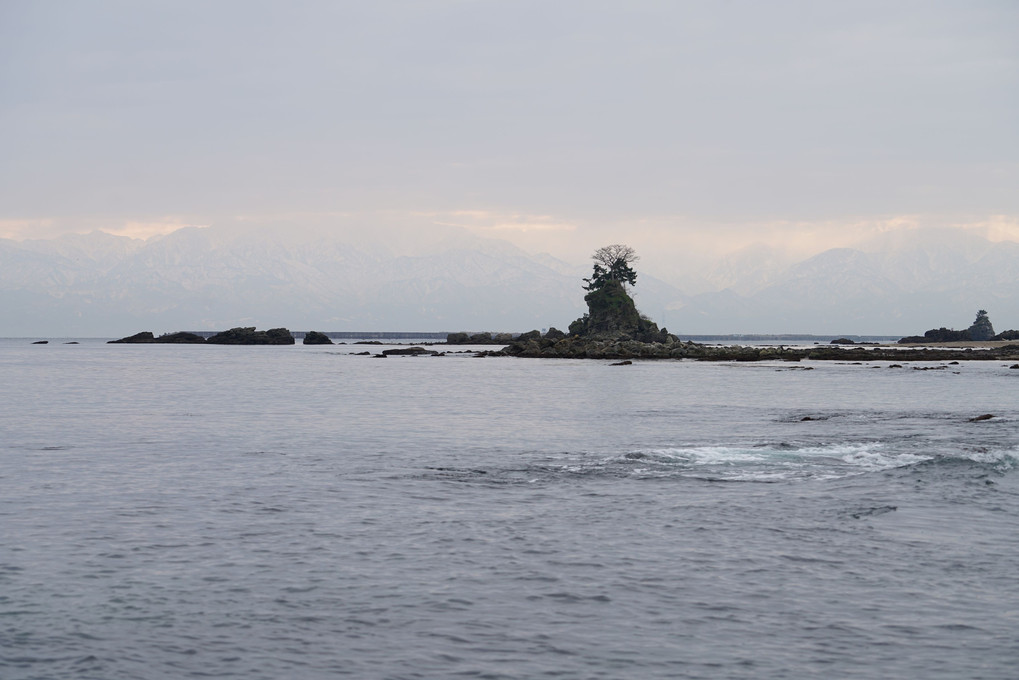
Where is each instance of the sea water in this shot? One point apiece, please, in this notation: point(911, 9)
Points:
point(303, 512)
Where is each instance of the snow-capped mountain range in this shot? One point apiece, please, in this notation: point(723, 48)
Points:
point(901, 283)
point(207, 279)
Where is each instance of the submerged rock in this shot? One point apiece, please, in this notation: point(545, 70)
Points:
point(409, 351)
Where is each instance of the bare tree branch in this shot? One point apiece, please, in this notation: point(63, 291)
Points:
point(609, 255)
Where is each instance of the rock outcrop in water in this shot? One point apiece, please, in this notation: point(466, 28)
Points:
point(479, 338)
point(144, 337)
point(316, 338)
point(249, 336)
point(611, 329)
point(612, 314)
point(937, 335)
point(410, 352)
point(981, 330)
point(181, 338)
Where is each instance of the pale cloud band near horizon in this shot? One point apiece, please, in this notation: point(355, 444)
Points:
point(663, 239)
point(556, 126)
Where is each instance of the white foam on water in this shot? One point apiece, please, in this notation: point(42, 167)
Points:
point(877, 459)
point(1004, 458)
point(769, 462)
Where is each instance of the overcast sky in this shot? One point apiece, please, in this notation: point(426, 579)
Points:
point(559, 125)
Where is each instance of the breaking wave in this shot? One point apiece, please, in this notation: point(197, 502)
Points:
point(764, 462)
point(761, 463)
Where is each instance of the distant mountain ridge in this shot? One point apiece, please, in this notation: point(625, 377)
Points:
point(900, 283)
point(903, 280)
point(206, 278)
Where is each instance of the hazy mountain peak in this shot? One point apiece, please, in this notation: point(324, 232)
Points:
point(749, 269)
point(965, 243)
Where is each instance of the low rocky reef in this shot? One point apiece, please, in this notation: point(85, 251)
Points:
point(479, 338)
point(235, 336)
point(146, 337)
point(623, 347)
point(242, 335)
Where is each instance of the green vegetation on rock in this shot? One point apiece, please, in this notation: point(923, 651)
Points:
point(612, 263)
point(612, 313)
point(981, 329)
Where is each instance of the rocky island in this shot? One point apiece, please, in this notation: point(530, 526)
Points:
point(614, 329)
point(980, 331)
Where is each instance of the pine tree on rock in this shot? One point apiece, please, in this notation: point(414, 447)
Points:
point(981, 329)
point(612, 263)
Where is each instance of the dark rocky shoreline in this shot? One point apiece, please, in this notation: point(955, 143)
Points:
point(623, 348)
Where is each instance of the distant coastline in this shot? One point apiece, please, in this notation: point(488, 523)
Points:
point(728, 338)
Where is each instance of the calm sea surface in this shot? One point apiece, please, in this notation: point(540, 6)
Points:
point(300, 512)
